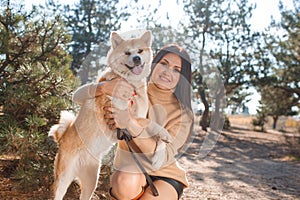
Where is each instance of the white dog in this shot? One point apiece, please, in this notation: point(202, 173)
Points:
point(84, 140)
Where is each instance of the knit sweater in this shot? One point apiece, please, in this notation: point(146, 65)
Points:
point(164, 114)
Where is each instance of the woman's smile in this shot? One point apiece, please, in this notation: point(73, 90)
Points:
point(167, 72)
point(164, 78)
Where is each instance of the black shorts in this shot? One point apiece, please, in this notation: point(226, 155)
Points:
point(178, 186)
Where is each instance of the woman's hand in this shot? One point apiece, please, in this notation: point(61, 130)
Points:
point(116, 118)
point(117, 87)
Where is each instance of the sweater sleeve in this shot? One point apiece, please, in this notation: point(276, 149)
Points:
point(84, 93)
point(179, 132)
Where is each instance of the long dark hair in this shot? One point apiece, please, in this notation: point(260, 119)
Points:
point(183, 88)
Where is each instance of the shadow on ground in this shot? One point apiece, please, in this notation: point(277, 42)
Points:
point(242, 164)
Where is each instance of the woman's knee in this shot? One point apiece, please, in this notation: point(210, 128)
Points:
point(124, 178)
point(127, 185)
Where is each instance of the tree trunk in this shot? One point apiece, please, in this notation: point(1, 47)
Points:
point(204, 118)
point(275, 119)
point(262, 128)
point(217, 119)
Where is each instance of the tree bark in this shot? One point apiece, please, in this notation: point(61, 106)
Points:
point(203, 122)
point(275, 119)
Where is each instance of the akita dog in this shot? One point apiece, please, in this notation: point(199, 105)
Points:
point(84, 140)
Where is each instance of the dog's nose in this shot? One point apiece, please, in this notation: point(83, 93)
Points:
point(136, 60)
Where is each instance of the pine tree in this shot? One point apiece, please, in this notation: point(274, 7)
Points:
point(35, 85)
point(277, 102)
point(223, 32)
point(285, 49)
point(261, 117)
point(90, 23)
point(278, 64)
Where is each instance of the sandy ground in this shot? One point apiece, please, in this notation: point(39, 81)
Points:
point(242, 165)
point(236, 165)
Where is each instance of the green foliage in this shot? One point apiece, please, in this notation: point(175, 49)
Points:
point(90, 23)
point(285, 68)
point(226, 25)
point(277, 102)
point(278, 65)
point(288, 53)
point(261, 118)
point(222, 30)
point(238, 100)
point(35, 155)
point(36, 84)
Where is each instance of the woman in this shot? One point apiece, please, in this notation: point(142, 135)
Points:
point(169, 93)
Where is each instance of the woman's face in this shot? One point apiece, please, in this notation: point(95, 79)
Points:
point(166, 74)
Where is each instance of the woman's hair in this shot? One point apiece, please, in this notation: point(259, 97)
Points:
point(183, 87)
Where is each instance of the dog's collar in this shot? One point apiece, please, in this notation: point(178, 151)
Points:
point(133, 96)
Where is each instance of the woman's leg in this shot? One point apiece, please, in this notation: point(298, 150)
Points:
point(165, 190)
point(126, 185)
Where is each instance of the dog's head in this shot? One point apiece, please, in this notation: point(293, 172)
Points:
point(131, 58)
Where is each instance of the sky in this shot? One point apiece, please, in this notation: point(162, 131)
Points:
point(261, 15)
point(260, 20)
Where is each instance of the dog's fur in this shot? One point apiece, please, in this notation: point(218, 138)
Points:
point(84, 140)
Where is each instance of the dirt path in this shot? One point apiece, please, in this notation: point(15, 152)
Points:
point(242, 165)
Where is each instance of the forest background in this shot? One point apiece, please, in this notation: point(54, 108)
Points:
point(48, 50)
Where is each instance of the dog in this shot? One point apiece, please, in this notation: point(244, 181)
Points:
point(84, 139)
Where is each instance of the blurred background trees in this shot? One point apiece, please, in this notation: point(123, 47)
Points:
point(224, 35)
point(48, 51)
point(89, 22)
point(286, 51)
point(277, 62)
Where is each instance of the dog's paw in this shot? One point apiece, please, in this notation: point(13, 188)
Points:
point(159, 156)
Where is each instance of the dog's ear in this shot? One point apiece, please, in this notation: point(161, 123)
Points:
point(147, 38)
point(116, 39)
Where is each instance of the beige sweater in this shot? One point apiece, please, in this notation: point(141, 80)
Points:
point(165, 114)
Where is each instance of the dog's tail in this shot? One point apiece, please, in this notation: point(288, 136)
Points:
point(57, 130)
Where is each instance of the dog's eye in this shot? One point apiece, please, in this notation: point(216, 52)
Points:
point(140, 50)
point(127, 53)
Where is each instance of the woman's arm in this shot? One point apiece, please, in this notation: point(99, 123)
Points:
point(146, 132)
point(117, 87)
point(87, 91)
point(179, 132)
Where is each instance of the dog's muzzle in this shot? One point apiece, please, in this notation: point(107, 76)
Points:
point(137, 67)
point(136, 62)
